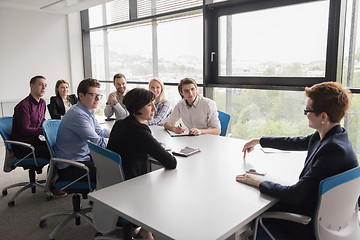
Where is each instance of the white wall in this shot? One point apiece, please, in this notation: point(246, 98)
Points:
point(35, 43)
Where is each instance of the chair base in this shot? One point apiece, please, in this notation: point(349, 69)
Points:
point(70, 215)
point(31, 184)
point(76, 214)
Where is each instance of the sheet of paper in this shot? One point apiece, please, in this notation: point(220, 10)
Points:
point(185, 133)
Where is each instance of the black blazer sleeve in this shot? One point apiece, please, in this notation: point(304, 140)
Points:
point(56, 107)
point(153, 147)
point(73, 99)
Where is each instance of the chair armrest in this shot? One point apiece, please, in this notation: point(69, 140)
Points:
point(279, 215)
point(287, 216)
point(70, 162)
point(20, 144)
point(78, 165)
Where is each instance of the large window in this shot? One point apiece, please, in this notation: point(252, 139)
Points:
point(168, 46)
point(284, 41)
point(254, 58)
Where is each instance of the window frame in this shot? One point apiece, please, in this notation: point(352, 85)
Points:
point(334, 49)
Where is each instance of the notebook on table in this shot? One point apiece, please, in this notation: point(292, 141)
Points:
point(186, 151)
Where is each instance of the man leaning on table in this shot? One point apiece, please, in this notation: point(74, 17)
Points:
point(199, 114)
point(77, 126)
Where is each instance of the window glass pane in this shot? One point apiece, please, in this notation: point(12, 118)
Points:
point(180, 48)
point(351, 67)
point(256, 113)
point(97, 55)
point(352, 123)
point(130, 52)
point(165, 48)
point(152, 7)
point(284, 41)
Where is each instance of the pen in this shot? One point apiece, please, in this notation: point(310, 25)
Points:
point(180, 125)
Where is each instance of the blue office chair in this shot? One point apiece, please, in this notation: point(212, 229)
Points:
point(109, 171)
point(30, 162)
point(77, 188)
point(224, 121)
point(337, 215)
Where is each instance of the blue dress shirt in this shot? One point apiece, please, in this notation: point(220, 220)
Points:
point(77, 126)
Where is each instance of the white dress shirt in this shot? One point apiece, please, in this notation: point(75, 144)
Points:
point(202, 114)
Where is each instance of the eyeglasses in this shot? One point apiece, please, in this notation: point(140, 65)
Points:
point(306, 111)
point(94, 95)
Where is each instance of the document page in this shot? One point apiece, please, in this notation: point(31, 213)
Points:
point(185, 133)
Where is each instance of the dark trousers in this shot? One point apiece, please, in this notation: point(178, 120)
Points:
point(41, 150)
point(72, 173)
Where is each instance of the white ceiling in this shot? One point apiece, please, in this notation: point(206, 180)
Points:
point(52, 6)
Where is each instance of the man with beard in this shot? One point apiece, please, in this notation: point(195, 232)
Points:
point(114, 103)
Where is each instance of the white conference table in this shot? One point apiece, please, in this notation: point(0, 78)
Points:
point(200, 199)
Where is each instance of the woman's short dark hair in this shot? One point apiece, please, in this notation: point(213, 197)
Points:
point(85, 84)
point(57, 85)
point(329, 97)
point(137, 98)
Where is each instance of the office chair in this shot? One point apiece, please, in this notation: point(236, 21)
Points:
point(109, 171)
point(224, 121)
point(30, 162)
point(50, 129)
point(77, 188)
point(337, 214)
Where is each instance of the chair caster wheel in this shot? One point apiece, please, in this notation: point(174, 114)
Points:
point(49, 198)
point(4, 192)
point(42, 223)
point(11, 204)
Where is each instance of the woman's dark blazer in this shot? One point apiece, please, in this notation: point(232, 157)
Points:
point(325, 158)
point(56, 106)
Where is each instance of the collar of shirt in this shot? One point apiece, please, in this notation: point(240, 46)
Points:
point(82, 107)
point(195, 103)
point(33, 100)
point(119, 97)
